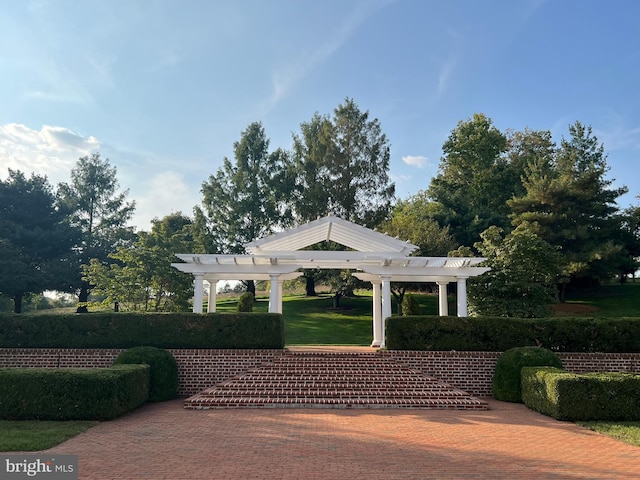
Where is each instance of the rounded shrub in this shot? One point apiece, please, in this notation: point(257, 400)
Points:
point(245, 302)
point(410, 305)
point(163, 370)
point(506, 378)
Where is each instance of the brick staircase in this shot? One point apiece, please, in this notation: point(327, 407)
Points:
point(304, 379)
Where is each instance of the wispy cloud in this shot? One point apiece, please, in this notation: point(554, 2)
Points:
point(419, 161)
point(619, 137)
point(286, 77)
point(445, 75)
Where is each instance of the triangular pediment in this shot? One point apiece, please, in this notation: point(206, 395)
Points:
point(334, 229)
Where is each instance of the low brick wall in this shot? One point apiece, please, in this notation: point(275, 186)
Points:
point(200, 369)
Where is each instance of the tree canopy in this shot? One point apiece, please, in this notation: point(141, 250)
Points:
point(99, 211)
point(36, 238)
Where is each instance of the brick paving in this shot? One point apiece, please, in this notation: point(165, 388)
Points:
point(165, 441)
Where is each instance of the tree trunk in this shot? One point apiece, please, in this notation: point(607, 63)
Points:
point(310, 286)
point(336, 300)
point(399, 295)
point(83, 300)
point(251, 287)
point(17, 303)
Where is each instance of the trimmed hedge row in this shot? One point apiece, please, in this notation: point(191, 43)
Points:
point(72, 393)
point(507, 380)
point(124, 330)
point(498, 334)
point(593, 396)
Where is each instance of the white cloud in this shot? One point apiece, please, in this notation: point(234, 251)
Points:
point(419, 161)
point(51, 151)
point(162, 194)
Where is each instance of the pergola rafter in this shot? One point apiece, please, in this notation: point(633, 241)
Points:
point(375, 257)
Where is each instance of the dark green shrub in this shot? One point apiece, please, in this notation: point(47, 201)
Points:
point(498, 334)
point(245, 302)
point(72, 393)
point(163, 383)
point(410, 305)
point(592, 396)
point(506, 382)
point(127, 329)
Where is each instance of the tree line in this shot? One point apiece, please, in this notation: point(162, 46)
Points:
point(543, 213)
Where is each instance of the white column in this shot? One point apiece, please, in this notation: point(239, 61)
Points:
point(273, 293)
point(198, 291)
point(211, 304)
point(462, 296)
point(377, 315)
point(443, 304)
point(280, 282)
point(386, 304)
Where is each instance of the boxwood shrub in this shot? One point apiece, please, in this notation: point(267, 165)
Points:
point(72, 393)
point(498, 334)
point(163, 382)
point(125, 330)
point(506, 381)
point(582, 397)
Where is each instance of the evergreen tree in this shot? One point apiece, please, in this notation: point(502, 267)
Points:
point(247, 199)
point(99, 211)
point(36, 239)
point(571, 203)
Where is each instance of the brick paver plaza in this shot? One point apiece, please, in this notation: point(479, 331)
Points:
point(164, 441)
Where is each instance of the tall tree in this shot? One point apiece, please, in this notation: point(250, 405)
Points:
point(247, 199)
point(342, 167)
point(571, 203)
point(36, 239)
point(631, 239)
point(100, 211)
point(473, 180)
point(141, 277)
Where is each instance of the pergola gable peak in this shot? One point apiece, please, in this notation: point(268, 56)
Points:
point(330, 228)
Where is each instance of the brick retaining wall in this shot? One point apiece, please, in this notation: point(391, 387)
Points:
point(200, 369)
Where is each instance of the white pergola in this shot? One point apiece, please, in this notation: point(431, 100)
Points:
point(373, 256)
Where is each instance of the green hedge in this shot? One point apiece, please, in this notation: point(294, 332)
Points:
point(124, 330)
point(498, 334)
point(593, 396)
point(506, 381)
point(72, 393)
point(163, 374)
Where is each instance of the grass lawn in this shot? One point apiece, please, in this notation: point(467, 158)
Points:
point(627, 432)
point(32, 436)
point(613, 300)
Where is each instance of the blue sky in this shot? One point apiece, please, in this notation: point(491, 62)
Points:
point(164, 87)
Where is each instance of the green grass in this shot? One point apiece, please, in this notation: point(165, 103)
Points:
point(613, 300)
point(31, 436)
point(313, 321)
point(627, 432)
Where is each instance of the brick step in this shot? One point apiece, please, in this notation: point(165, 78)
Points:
point(333, 380)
